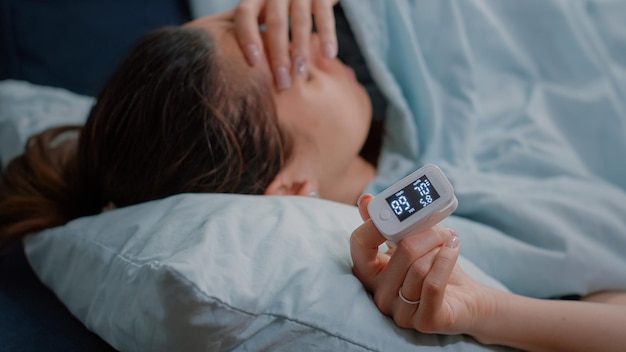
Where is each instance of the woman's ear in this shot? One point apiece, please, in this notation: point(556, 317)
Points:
point(287, 182)
point(276, 187)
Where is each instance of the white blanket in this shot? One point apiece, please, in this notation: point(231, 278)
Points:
point(522, 103)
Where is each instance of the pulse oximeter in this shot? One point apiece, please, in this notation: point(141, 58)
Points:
point(415, 203)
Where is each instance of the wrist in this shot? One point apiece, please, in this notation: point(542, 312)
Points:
point(486, 315)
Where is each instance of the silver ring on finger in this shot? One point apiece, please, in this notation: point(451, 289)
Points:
point(407, 301)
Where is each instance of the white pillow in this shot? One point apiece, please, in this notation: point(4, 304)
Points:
point(208, 272)
point(26, 109)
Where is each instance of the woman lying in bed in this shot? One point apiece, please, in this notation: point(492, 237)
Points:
point(203, 108)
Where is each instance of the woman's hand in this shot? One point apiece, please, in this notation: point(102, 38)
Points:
point(280, 17)
point(422, 267)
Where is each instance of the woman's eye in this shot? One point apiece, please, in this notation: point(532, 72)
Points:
point(309, 77)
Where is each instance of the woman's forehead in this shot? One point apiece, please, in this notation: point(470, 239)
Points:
point(223, 33)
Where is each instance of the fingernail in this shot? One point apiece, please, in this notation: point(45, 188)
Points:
point(299, 66)
point(253, 54)
point(329, 50)
point(453, 241)
point(282, 78)
point(360, 199)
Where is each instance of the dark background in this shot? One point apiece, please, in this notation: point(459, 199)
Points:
point(71, 44)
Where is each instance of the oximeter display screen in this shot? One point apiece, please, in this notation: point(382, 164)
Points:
point(412, 198)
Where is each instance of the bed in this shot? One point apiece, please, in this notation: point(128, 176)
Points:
point(521, 104)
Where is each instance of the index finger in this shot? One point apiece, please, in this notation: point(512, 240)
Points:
point(325, 24)
point(277, 41)
point(246, 19)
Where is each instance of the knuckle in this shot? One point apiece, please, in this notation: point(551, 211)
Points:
point(356, 240)
point(383, 303)
point(418, 269)
point(442, 233)
point(430, 326)
point(244, 8)
point(432, 286)
point(279, 54)
point(321, 4)
point(301, 18)
point(298, 48)
point(425, 326)
point(326, 30)
point(445, 258)
point(278, 60)
point(402, 320)
point(405, 246)
point(273, 20)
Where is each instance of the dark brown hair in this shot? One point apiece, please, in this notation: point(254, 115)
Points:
point(174, 118)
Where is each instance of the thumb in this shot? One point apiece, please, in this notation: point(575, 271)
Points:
point(364, 243)
point(362, 202)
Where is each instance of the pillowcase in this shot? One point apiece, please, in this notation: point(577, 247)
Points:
point(26, 109)
point(208, 272)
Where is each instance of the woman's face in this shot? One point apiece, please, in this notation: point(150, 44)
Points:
point(327, 109)
point(327, 112)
